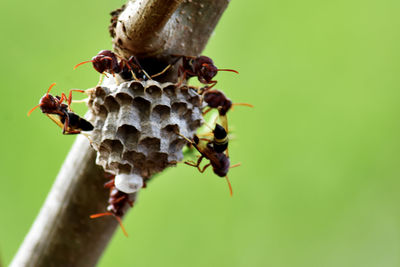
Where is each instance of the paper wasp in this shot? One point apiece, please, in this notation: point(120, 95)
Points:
point(203, 67)
point(116, 204)
point(109, 62)
point(61, 113)
point(219, 161)
point(104, 61)
point(216, 99)
point(220, 138)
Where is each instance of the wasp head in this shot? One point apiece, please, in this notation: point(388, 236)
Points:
point(49, 103)
point(223, 167)
point(205, 69)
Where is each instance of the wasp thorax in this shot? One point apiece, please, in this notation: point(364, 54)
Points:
point(136, 125)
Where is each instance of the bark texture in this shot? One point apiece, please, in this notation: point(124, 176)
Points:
point(63, 234)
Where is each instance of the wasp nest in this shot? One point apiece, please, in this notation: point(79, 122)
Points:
point(136, 125)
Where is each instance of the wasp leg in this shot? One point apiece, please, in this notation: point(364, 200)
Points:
point(162, 72)
point(204, 168)
point(65, 128)
point(229, 185)
point(101, 79)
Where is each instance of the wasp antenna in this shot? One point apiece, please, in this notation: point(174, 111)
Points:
point(243, 104)
point(84, 62)
point(51, 86)
point(235, 71)
point(30, 111)
point(98, 215)
point(229, 185)
point(121, 225)
point(236, 165)
point(94, 216)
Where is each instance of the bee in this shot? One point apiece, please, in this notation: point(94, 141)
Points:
point(61, 113)
point(203, 67)
point(116, 203)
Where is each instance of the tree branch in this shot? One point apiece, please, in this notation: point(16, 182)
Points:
point(63, 234)
point(185, 33)
point(140, 24)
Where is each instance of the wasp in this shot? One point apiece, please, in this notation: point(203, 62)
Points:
point(203, 67)
point(116, 203)
point(220, 138)
point(61, 113)
point(104, 61)
point(107, 61)
point(132, 69)
point(216, 99)
point(219, 161)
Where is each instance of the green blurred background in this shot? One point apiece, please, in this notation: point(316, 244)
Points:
point(320, 173)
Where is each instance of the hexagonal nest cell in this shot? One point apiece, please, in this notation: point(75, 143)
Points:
point(135, 125)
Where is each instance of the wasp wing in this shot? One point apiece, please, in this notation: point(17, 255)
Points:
point(56, 119)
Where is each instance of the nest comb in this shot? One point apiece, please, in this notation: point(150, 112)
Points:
point(135, 126)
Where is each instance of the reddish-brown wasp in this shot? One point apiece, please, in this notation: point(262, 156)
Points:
point(109, 62)
point(131, 68)
point(216, 99)
point(219, 161)
point(61, 113)
point(104, 61)
point(203, 67)
point(219, 139)
point(116, 204)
